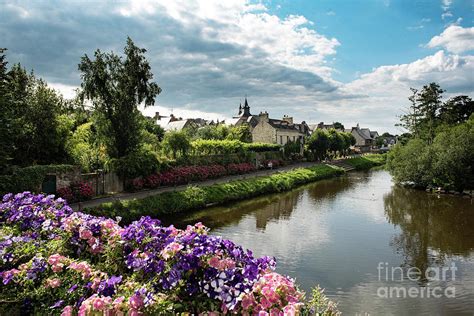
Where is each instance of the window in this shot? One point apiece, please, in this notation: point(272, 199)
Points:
point(281, 140)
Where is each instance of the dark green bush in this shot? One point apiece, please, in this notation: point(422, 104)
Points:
point(194, 198)
point(136, 164)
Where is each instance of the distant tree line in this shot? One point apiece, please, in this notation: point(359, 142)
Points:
point(440, 149)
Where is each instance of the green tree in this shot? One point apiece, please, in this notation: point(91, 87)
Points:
point(338, 126)
point(176, 143)
point(218, 132)
point(241, 133)
point(336, 142)
point(318, 144)
point(456, 110)
point(454, 163)
point(6, 117)
point(116, 86)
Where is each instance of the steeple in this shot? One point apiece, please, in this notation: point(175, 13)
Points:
point(246, 108)
point(240, 108)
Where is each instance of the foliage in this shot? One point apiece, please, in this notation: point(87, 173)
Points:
point(29, 178)
point(136, 164)
point(318, 144)
point(56, 261)
point(213, 147)
point(176, 143)
point(85, 148)
point(367, 161)
point(116, 86)
point(261, 147)
point(30, 110)
point(241, 133)
point(195, 198)
point(428, 113)
point(218, 132)
point(439, 152)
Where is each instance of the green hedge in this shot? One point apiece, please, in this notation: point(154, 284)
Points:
point(194, 198)
point(29, 178)
point(367, 161)
point(225, 147)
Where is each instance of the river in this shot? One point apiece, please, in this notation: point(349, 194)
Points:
point(375, 247)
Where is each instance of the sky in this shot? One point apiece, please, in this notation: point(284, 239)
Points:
point(351, 61)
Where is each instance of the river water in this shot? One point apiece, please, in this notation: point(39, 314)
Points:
point(376, 248)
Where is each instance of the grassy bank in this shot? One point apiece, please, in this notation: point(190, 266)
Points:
point(366, 162)
point(194, 198)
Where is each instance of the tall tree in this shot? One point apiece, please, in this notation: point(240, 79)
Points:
point(456, 110)
point(429, 104)
point(116, 86)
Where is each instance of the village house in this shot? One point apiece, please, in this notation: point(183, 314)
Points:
point(173, 123)
point(268, 130)
point(365, 138)
point(321, 125)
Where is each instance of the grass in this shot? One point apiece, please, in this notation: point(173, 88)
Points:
point(367, 161)
point(194, 198)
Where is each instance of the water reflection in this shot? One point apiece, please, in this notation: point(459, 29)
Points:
point(432, 227)
point(335, 232)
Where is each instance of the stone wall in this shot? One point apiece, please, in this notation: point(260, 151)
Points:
point(65, 179)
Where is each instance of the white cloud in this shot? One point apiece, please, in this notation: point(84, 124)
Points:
point(454, 39)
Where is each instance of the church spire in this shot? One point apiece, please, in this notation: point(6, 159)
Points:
point(240, 108)
point(246, 108)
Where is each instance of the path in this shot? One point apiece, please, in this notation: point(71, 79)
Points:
point(146, 193)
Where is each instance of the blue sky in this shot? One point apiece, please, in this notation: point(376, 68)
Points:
point(351, 61)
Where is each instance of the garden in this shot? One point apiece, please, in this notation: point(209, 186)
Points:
point(60, 262)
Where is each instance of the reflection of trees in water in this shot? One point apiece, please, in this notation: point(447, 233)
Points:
point(444, 224)
point(266, 208)
point(330, 188)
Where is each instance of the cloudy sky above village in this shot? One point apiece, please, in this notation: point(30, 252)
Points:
point(317, 60)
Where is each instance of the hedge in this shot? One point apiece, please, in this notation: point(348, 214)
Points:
point(194, 198)
point(29, 178)
point(224, 147)
point(367, 161)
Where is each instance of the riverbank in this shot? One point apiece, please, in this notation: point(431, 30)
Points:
point(198, 197)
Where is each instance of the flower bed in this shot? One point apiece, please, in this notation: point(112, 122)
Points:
point(56, 261)
point(187, 174)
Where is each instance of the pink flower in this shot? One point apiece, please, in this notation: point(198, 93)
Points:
point(85, 233)
point(289, 310)
point(248, 301)
point(135, 301)
point(53, 283)
point(265, 303)
point(99, 304)
point(214, 262)
point(67, 311)
point(262, 313)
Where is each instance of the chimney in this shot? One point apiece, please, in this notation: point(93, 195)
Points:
point(157, 116)
point(288, 119)
point(263, 116)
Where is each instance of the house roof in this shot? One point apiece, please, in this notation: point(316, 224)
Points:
point(281, 124)
point(177, 125)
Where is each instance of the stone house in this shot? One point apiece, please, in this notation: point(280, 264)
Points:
point(365, 138)
point(267, 130)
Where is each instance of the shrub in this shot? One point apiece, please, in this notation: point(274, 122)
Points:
point(65, 193)
point(64, 262)
point(152, 181)
point(137, 164)
point(261, 147)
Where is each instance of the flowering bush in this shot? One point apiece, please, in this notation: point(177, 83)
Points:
point(56, 261)
point(78, 191)
point(240, 168)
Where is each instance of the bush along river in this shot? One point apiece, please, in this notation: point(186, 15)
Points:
point(376, 248)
